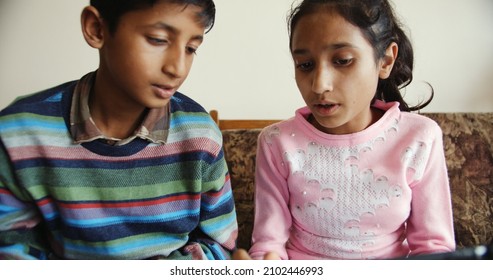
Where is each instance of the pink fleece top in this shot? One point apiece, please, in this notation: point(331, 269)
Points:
point(379, 193)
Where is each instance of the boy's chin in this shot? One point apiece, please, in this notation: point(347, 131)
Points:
point(159, 104)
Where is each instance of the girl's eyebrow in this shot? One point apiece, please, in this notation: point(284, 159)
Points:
point(335, 46)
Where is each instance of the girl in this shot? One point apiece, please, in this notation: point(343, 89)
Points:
point(354, 174)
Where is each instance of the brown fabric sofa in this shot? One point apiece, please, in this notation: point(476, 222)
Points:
point(468, 141)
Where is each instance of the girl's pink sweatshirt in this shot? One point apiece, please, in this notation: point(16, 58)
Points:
point(379, 193)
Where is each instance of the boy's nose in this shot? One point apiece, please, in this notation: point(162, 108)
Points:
point(174, 63)
point(322, 81)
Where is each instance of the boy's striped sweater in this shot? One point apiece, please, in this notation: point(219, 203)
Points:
point(95, 201)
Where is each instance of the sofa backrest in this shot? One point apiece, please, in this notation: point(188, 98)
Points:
point(468, 143)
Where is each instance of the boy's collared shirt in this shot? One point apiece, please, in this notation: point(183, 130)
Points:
point(154, 128)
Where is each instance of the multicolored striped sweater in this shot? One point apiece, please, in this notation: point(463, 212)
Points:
point(95, 201)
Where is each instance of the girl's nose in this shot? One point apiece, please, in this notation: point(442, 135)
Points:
point(322, 81)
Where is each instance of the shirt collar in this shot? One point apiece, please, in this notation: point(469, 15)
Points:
point(154, 128)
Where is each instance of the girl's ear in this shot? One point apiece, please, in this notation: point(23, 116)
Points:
point(92, 27)
point(388, 60)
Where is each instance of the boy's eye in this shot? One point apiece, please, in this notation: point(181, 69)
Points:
point(191, 50)
point(157, 41)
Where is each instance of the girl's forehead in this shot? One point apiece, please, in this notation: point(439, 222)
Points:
point(325, 27)
point(321, 19)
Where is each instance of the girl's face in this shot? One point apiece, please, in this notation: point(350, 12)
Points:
point(336, 72)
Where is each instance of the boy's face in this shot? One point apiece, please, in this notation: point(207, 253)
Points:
point(150, 54)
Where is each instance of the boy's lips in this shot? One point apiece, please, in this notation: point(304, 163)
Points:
point(164, 91)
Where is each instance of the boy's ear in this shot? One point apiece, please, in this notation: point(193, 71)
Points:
point(92, 27)
point(388, 60)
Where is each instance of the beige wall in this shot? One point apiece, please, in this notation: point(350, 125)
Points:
point(244, 68)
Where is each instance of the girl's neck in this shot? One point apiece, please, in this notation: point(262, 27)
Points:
point(375, 114)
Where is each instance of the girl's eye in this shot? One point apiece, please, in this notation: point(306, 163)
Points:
point(343, 62)
point(305, 66)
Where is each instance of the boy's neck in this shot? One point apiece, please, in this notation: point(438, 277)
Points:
point(113, 116)
point(114, 121)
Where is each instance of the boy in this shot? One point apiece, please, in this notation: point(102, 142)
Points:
point(119, 165)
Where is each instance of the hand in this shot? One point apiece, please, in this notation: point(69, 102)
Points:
point(242, 254)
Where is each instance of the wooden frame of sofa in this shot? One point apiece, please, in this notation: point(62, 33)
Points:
point(225, 124)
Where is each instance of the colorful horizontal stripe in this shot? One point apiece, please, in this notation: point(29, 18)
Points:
point(136, 201)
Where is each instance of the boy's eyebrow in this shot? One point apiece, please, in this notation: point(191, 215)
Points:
point(335, 46)
point(174, 30)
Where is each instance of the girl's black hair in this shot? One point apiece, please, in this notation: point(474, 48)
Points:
point(112, 10)
point(379, 25)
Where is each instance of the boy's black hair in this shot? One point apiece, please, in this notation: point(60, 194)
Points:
point(112, 10)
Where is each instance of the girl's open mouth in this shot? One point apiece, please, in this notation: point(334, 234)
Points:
point(326, 109)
